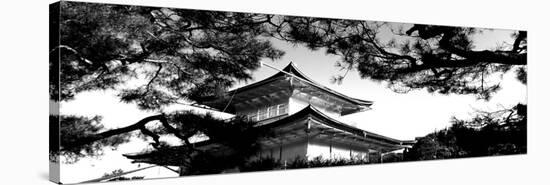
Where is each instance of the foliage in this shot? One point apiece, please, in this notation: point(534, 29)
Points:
point(73, 128)
point(489, 133)
point(177, 53)
point(262, 164)
point(153, 57)
point(441, 59)
point(392, 157)
point(269, 163)
point(117, 172)
point(322, 162)
point(184, 50)
point(237, 140)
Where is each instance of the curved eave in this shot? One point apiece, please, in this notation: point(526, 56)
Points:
point(310, 110)
point(291, 68)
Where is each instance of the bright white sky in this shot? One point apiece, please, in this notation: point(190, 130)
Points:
point(401, 116)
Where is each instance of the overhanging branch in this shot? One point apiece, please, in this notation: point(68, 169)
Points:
point(113, 132)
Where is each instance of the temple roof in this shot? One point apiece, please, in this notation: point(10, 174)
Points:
point(311, 111)
point(292, 69)
point(274, 80)
point(293, 125)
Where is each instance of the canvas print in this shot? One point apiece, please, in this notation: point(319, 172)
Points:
point(151, 92)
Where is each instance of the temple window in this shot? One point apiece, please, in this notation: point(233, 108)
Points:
point(262, 114)
point(282, 109)
point(268, 112)
point(272, 111)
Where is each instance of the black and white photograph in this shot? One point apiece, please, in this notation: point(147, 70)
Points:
point(146, 92)
point(249, 92)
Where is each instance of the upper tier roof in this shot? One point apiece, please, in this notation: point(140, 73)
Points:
point(292, 70)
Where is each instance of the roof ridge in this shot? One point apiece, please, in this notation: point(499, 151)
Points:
point(291, 70)
point(291, 66)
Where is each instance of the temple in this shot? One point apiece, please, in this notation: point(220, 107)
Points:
point(303, 115)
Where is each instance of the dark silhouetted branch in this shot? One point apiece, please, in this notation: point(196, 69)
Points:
point(113, 132)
